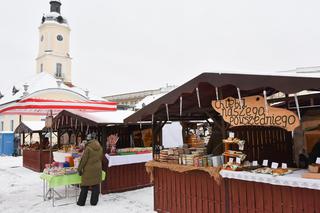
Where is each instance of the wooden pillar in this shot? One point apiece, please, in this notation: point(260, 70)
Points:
point(104, 138)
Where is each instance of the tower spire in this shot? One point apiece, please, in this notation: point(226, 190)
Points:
point(55, 6)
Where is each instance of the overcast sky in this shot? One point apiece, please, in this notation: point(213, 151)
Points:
point(122, 46)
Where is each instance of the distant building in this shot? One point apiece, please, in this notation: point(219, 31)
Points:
point(130, 100)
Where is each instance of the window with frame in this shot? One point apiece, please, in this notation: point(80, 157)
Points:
point(41, 67)
point(2, 126)
point(59, 70)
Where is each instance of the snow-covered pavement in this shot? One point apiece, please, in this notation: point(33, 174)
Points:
point(21, 191)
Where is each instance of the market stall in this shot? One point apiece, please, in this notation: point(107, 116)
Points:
point(35, 151)
point(125, 146)
point(251, 120)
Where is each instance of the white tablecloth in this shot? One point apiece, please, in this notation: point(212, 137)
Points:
point(294, 179)
point(117, 160)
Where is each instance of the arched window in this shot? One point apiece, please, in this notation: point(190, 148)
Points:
point(59, 70)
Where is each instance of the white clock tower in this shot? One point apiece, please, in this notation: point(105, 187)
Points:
point(54, 37)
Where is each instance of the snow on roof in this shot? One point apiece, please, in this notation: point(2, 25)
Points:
point(147, 100)
point(107, 117)
point(39, 82)
point(34, 125)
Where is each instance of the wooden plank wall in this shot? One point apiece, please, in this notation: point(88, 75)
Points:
point(247, 197)
point(35, 159)
point(197, 192)
point(31, 160)
point(187, 192)
point(125, 177)
point(272, 143)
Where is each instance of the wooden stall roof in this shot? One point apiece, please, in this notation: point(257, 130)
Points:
point(30, 126)
point(226, 85)
point(91, 118)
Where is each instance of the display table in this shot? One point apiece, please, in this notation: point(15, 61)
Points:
point(117, 160)
point(51, 182)
point(35, 159)
point(293, 180)
point(125, 172)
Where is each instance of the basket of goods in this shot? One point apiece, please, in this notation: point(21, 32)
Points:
point(194, 141)
point(313, 171)
point(314, 168)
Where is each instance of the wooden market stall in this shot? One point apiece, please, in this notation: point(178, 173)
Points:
point(35, 154)
point(263, 111)
point(124, 172)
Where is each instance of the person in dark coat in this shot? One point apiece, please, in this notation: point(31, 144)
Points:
point(90, 168)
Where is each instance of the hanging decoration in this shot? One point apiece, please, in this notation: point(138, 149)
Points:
point(180, 106)
point(167, 109)
point(265, 101)
point(76, 124)
point(217, 93)
point(198, 97)
point(87, 131)
point(239, 97)
point(297, 105)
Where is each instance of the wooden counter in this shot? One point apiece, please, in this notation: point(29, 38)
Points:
point(35, 159)
point(125, 177)
point(197, 191)
point(194, 191)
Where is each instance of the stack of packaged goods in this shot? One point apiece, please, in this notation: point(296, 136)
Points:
point(163, 155)
point(186, 156)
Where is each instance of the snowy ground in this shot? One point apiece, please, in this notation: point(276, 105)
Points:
point(21, 191)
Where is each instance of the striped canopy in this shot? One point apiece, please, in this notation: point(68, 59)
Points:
point(40, 106)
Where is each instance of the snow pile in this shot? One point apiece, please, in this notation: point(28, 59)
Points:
point(21, 191)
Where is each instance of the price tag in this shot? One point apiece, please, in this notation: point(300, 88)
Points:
point(318, 161)
point(238, 160)
point(274, 165)
point(284, 166)
point(254, 163)
point(231, 134)
point(265, 163)
point(230, 160)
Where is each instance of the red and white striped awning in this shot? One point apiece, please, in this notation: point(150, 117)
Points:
point(40, 106)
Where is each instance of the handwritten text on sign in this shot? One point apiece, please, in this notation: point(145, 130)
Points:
point(253, 112)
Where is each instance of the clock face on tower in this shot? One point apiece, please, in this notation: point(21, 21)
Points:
point(59, 37)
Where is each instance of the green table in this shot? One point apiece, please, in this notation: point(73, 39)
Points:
point(50, 182)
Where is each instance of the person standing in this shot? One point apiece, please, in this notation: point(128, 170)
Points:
point(90, 168)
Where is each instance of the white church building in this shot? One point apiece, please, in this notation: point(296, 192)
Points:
point(53, 78)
